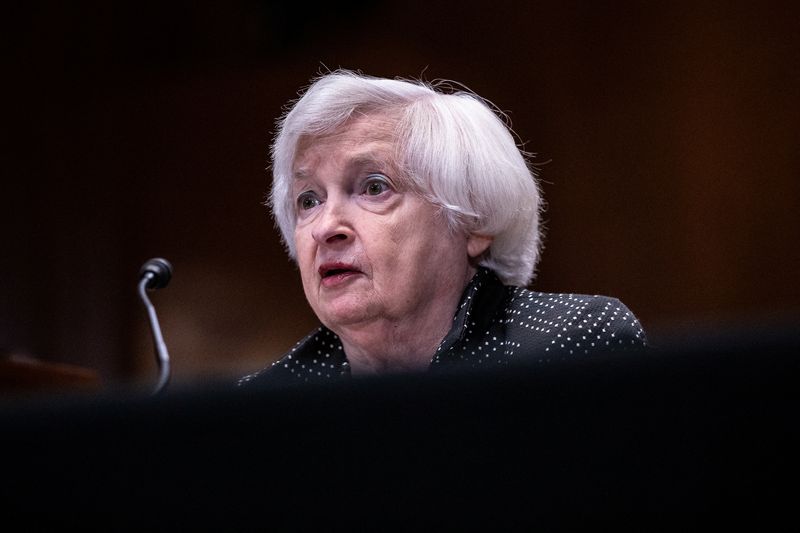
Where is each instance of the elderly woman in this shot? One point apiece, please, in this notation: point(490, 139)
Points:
point(413, 216)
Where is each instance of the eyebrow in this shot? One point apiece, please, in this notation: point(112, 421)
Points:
point(369, 159)
point(362, 159)
point(300, 174)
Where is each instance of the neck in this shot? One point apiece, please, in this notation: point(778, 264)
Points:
point(386, 345)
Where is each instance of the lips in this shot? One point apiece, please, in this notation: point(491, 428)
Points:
point(333, 274)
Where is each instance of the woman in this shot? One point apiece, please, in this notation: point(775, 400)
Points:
point(413, 216)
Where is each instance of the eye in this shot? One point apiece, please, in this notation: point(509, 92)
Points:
point(375, 185)
point(307, 200)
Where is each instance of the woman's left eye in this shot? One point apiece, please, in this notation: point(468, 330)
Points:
point(375, 185)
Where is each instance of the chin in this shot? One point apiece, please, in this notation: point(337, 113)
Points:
point(335, 317)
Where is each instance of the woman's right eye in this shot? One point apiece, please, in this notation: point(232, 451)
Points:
point(307, 200)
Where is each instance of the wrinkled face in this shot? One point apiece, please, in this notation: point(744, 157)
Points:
point(369, 249)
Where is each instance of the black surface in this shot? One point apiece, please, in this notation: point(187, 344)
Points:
point(709, 429)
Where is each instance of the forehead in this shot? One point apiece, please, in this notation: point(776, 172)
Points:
point(372, 135)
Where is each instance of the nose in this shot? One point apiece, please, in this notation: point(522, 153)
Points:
point(332, 226)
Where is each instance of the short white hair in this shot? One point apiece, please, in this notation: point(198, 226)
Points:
point(457, 149)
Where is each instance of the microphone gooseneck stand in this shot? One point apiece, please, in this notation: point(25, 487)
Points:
point(155, 274)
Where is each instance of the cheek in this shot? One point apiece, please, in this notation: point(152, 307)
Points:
point(410, 241)
point(424, 231)
point(391, 241)
point(305, 255)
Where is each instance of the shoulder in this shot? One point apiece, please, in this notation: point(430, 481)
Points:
point(317, 356)
point(575, 322)
point(566, 306)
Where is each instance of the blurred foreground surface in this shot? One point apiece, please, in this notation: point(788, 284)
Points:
point(707, 428)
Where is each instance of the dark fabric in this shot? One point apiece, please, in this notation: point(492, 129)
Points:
point(494, 324)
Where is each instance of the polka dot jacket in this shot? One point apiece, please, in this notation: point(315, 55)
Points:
point(494, 324)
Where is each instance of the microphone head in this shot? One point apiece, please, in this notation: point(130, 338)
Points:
point(161, 271)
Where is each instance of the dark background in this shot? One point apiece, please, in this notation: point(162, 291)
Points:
point(666, 134)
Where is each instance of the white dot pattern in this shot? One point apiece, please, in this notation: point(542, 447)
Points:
point(494, 325)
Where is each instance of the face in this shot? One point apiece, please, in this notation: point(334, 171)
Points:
point(369, 248)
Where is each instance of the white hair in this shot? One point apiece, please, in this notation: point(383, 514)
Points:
point(456, 148)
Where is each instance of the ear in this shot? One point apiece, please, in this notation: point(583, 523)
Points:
point(478, 244)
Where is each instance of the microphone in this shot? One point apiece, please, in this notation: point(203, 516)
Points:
point(155, 274)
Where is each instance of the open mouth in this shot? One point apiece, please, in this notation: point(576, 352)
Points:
point(333, 272)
